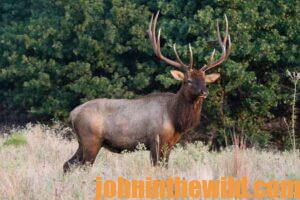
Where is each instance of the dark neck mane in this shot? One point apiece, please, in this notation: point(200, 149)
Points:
point(185, 112)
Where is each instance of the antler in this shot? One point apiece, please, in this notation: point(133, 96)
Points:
point(156, 47)
point(223, 44)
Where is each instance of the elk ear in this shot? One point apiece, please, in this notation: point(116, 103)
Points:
point(177, 75)
point(212, 77)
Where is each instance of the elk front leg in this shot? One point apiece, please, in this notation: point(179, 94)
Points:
point(155, 151)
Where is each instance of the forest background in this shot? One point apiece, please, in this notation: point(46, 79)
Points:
point(57, 54)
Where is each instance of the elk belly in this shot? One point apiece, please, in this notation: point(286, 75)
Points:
point(125, 134)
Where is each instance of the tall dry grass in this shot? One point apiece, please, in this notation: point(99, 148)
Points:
point(33, 170)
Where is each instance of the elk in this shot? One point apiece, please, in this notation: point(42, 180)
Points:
point(156, 120)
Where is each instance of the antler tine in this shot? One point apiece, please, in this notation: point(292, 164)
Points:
point(229, 47)
point(156, 45)
point(153, 43)
point(191, 56)
point(151, 33)
point(154, 33)
point(177, 56)
point(222, 46)
point(225, 53)
point(226, 30)
point(212, 56)
point(158, 41)
point(227, 37)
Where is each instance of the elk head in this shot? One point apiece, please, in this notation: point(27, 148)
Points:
point(193, 81)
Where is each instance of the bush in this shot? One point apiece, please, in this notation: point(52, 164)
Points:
point(56, 54)
point(16, 139)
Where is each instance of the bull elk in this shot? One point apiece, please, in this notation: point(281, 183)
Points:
point(156, 120)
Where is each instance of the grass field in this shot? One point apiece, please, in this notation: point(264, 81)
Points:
point(31, 163)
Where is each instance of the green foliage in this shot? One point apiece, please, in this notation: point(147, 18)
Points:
point(56, 54)
point(16, 139)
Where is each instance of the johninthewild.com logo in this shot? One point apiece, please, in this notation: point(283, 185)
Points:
point(225, 187)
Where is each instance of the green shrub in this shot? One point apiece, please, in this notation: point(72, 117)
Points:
point(16, 139)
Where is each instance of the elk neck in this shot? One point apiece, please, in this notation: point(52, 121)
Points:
point(185, 111)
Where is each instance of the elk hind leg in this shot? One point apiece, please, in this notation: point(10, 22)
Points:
point(90, 154)
point(91, 147)
point(77, 158)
